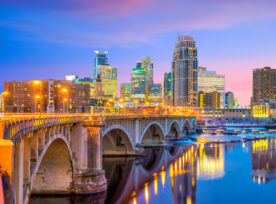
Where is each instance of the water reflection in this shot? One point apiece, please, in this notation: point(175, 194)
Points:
point(179, 174)
point(263, 153)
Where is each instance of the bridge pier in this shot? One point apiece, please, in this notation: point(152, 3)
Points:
point(92, 179)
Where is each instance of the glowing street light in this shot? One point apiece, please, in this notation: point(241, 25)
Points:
point(37, 82)
point(37, 97)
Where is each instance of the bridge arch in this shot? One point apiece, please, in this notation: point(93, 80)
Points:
point(152, 132)
point(117, 140)
point(186, 127)
point(174, 129)
point(53, 172)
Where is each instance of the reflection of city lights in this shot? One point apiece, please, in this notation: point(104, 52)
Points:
point(259, 145)
point(189, 201)
point(155, 181)
point(210, 165)
point(163, 177)
point(146, 192)
point(134, 201)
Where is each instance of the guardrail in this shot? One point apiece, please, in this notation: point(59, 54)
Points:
point(14, 126)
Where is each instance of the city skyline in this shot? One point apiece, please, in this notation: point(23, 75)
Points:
point(35, 46)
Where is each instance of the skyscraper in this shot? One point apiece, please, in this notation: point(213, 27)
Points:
point(148, 66)
point(167, 87)
point(229, 100)
point(125, 91)
point(108, 75)
point(209, 81)
point(184, 69)
point(264, 84)
point(100, 59)
point(138, 84)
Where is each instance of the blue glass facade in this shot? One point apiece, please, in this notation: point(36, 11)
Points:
point(100, 59)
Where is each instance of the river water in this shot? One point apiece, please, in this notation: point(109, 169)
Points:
point(240, 172)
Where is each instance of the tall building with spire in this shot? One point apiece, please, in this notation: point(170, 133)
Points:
point(184, 69)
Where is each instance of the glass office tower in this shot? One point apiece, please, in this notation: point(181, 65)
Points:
point(167, 88)
point(100, 59)
point(209, 82)
point(138, 84)
point(125, 91)
point(148, 66)
point(184, 69)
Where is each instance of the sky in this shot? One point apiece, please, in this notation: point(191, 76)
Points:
point(41, 39)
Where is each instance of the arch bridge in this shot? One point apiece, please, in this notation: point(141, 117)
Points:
point(62, 154)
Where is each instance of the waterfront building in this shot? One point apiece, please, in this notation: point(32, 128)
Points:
point(230, 115)
point(138, 84)
point(209, 100)
point(264, 84)
point(229, 100)
point(46, 96)
point(167, 88)
point(108, 75)
point(148, 66)
point(100, 59)
point(264, 109)
point(155, 94)
point(210, 81)
point(184, 70)
point(125, 90)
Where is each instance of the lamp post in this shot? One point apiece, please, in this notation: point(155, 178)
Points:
point(38, 83)
point(65, 90)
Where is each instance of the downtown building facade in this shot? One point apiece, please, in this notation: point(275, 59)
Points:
point(210, 84)
point(155, 94)
point(106, 76)
point(263, 102)
point(167, 94)
point(138, 84)
point(46, 96)
point(229, 100)
point(184, 72)
point(264, 84)
point(209, 100)
point(125, 90)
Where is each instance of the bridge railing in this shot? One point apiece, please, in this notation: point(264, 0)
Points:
point(13, 126)
point(17, 126)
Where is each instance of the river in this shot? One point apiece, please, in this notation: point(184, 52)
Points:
point(240, 172)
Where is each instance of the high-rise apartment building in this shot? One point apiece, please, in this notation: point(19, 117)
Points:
point(167, 88)
point(138, 84)
point(210, 81)
point(229, 100)
point(155, 94)
point(125, 90)
point(264, 84)
point(100, 59)
point(148, 66)
point(184, 69)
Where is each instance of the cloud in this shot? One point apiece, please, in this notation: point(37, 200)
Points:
point(108, 22)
